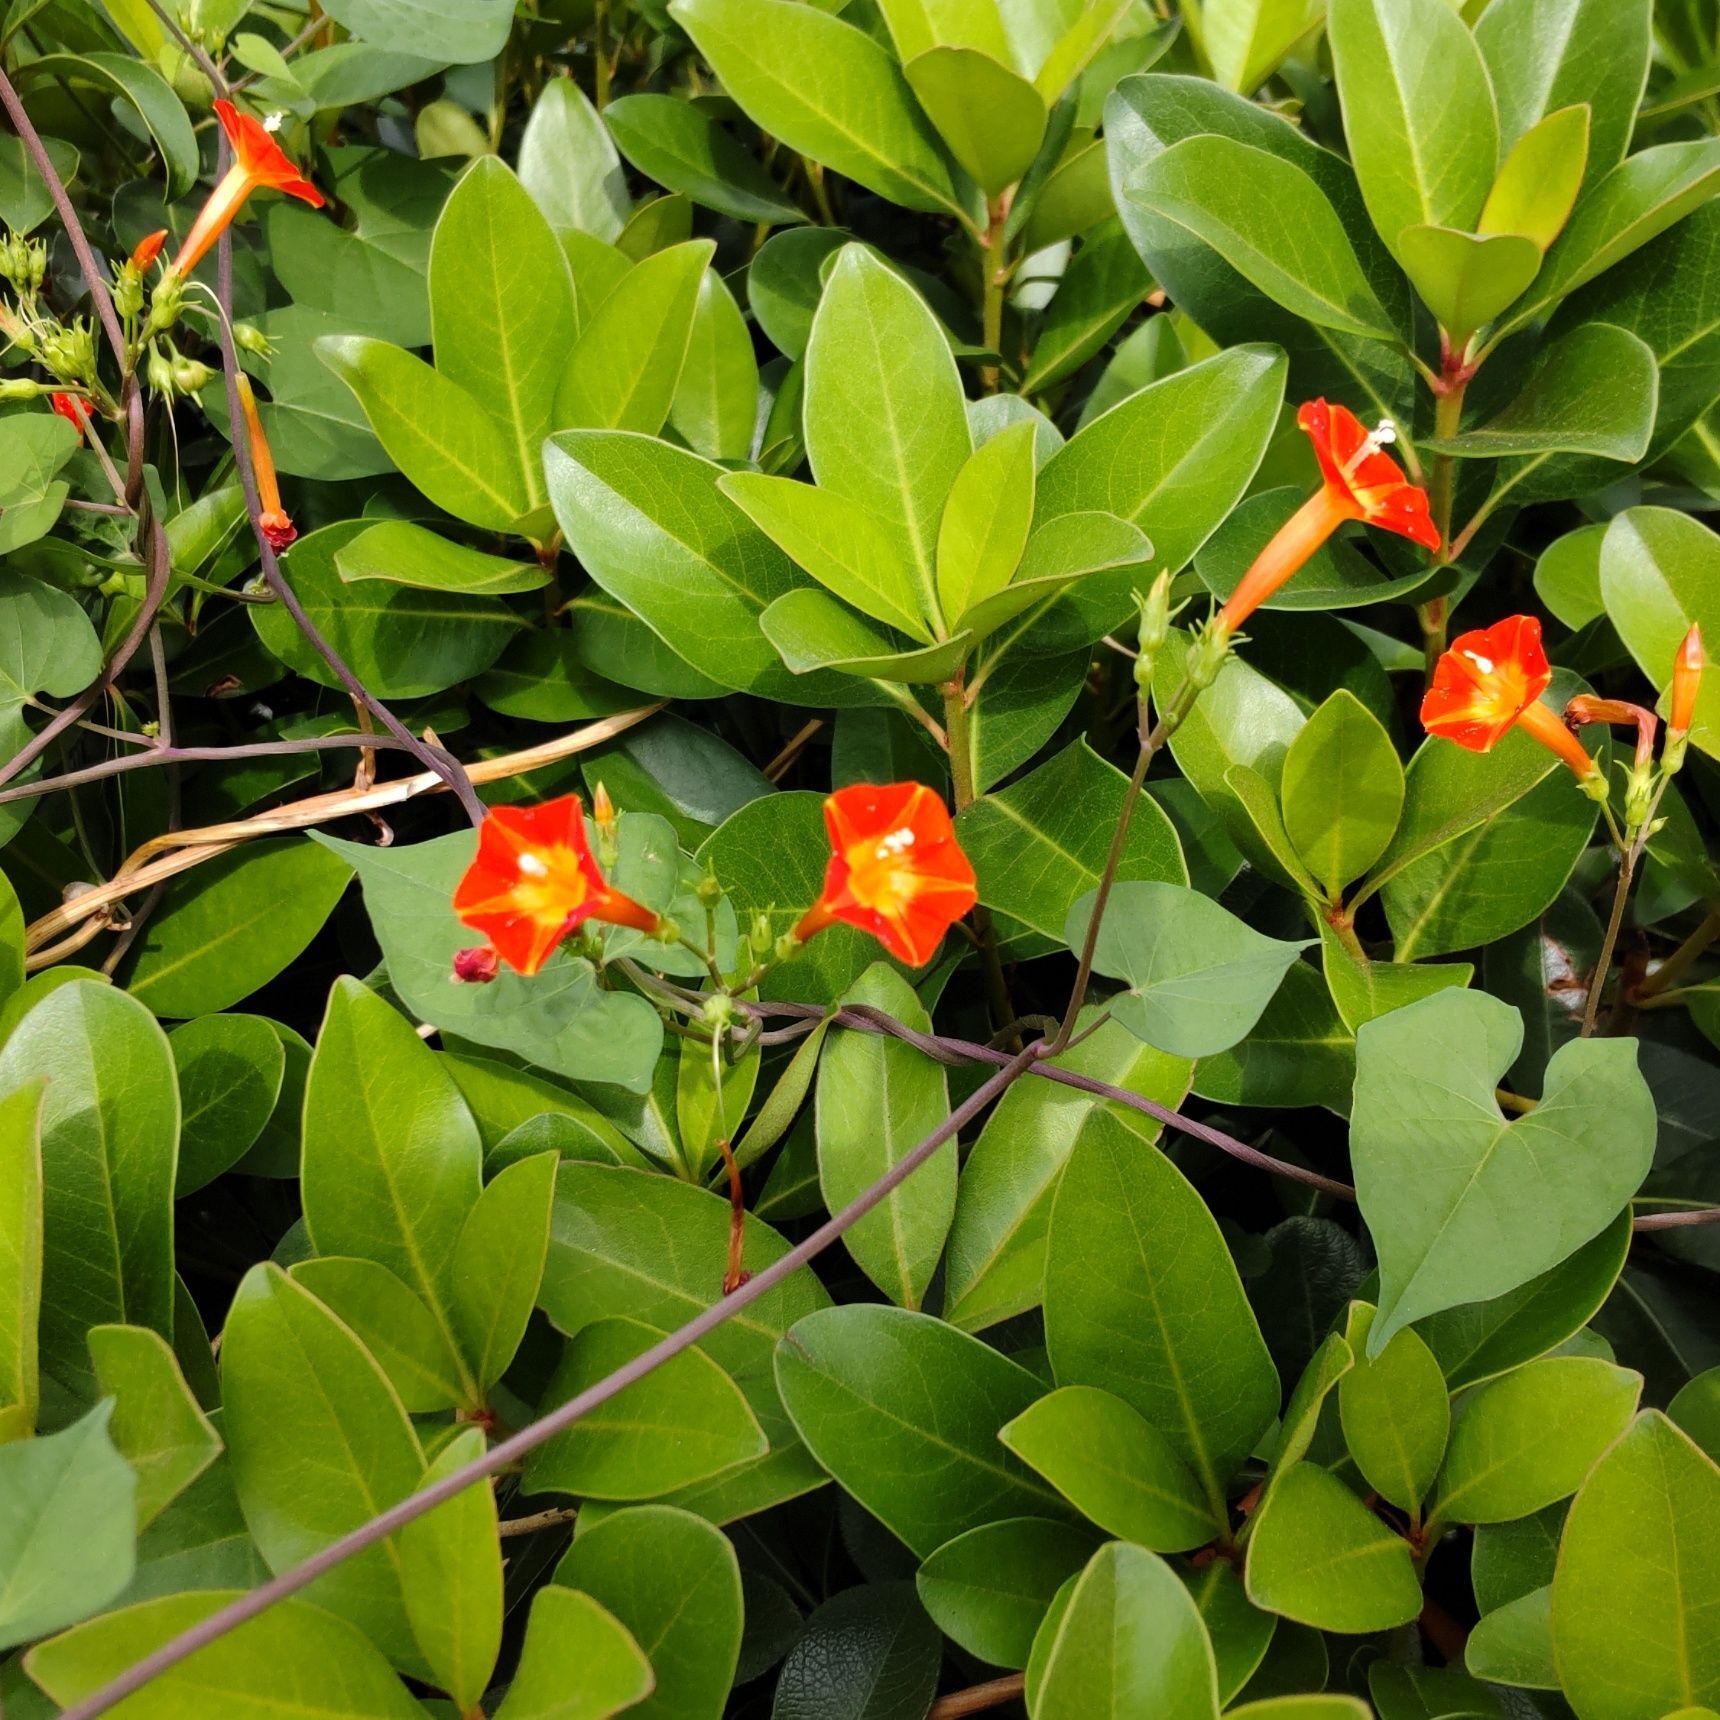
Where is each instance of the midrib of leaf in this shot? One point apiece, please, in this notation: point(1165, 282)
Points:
point(530, 467)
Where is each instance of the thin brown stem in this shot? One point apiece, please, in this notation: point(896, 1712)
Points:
point(1603, 963)
point(1679, 962)
point(978, 1697)
point(554, 1518)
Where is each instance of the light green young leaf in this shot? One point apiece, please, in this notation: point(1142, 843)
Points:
point(498, 1264)
point(20, 1257)
point(990, 117)
point(1467, 280)
point(1343, 791)
point(1246, 40)
point(986, 520)
point(569, 164)
point(1463, 1204)
point(1538, 183)
point(406, 554)
point(579, 1662)
point(1395, 1411)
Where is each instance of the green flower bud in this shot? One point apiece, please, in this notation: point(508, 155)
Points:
point(191, 376)
point(249, 338)
point(20, 388)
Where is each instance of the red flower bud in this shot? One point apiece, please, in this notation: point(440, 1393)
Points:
point(476, 966)
point(148, 249)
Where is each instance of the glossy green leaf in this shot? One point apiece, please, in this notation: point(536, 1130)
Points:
point(885, 424)
point(580, 1662)
point(156, 1425)
point(1319, 1556)
point(318, 1444)
point(1239, 1631)
point(1513, 1644)
point(67, 1527)
point(1466, 279)
point(991, 119)
point(1130, 1641)
point(462, 31)
point(294, 1658)
point(498, 1264)
point(684, 1422)
point(1271, 222)
point(996, 1258)
point(1462, 1203)
point(1245, 40)
point(877, 1099)
point(672, 1582)
point(232, 926)
point(1197, 977)
point(1343, 791)
point(1099, 289)
point(868, 1653)
point(20, 1256)
point(685, 150)
point(827, 90)
point(142, 90)
point(1528, 1438)
point(1639, 1568)
point(1143, 1300)
point(230, 1072)
point(985, 521)
point(1115, 1468)
point(405, 554)
point(1395, 1412)
point(904, 1412)
point(1418, 111)
point(451, 1576)
point(1539, 180)
point(109, 1137)
point(569, 164)
point(989, 1589)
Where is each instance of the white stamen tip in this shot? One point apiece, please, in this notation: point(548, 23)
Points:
point(1385, 433)
point(275, 120)
point(1484, 664)
point(532, 867)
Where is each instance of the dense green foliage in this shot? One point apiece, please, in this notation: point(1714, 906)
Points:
point(703, 406)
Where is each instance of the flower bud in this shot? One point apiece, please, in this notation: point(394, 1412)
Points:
point(191, 375)
point(710, 892)
point(1206, 654)
point(158, 371)
point(249, 338)
point(761, 937)
point(21, 388)
point(1686, 684)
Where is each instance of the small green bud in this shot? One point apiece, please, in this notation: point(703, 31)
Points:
point(20, 388)
point(191, 376)
point(719, 1012)
point(249, 338)
point(158, 371)
point(1206, 654)
point(710, 892)
point(1156, 615)
point(761, 937)
point(786, 945)
point(1638, 796)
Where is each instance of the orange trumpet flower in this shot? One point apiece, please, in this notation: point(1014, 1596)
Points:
point(533, 881)
point(1686, 682)
point(895, 869)
point(274, 520)
point(1492, 680)
point(258, 162)
point(1361, 483)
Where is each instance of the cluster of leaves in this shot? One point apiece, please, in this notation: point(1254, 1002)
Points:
point(725, 401)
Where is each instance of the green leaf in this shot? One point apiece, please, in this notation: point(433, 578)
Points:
point(501, 303)
point(1513, 1644)
point(1319, 1556)
point(1462, 1204)
point(1176, 457)
point(1099, 289)
point(1696, 1410)
point(1466, 279)
point(1247, 40)
point(47, 644)
point(681, 147)
point(1271, 222)
point(557, 1019)
point(67, 1532)
point(838, 542)
point(812, 631)
point(885, 423)
point(458, 32)
point(996, 1257)
point(1041, 844)
point(433, 430)
point(1364, 989)
point(1643, 196)
point(580, 1662)
point(828, 91)
point(626, 364)
point(903, 1411)
point(1395, 1412)
point(451, 1574)
point(633, 1243)
point(1095, 558)
point(716, 401)
point(141, 88)
point(294, 1658)
point(877, 1099)
point(230, 1072)
point(1115, 1468)
point(1538, 183)
point(987, 1590)
point(1527, 1439)
point(1547, 55)
point(991, 118)
point(25, 201)
point(237, 922)
point(1142, 1299)
point(1303, 1708)
point(405, 554)
point(684, 1422)
point(20, 1256)
point(1639, 1567)
point(109, 1135)
point(1130, 1641)
point(318, 1444)
point(157, 1426)
point(673, 1582)
point(392, 1321)
point(1197, 977)
point(392, 1161)
point(1327, 1368)
point(1418, 112)
point(869, 1653)
point(1593, 391)
point(1301, 1052)
point(653, 527)
point(986, 521)
point(498, 1264)
point(1657, 578)
point(1481, 1339)
point(32, 497)
point(569, 164)
point(1343, 791)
